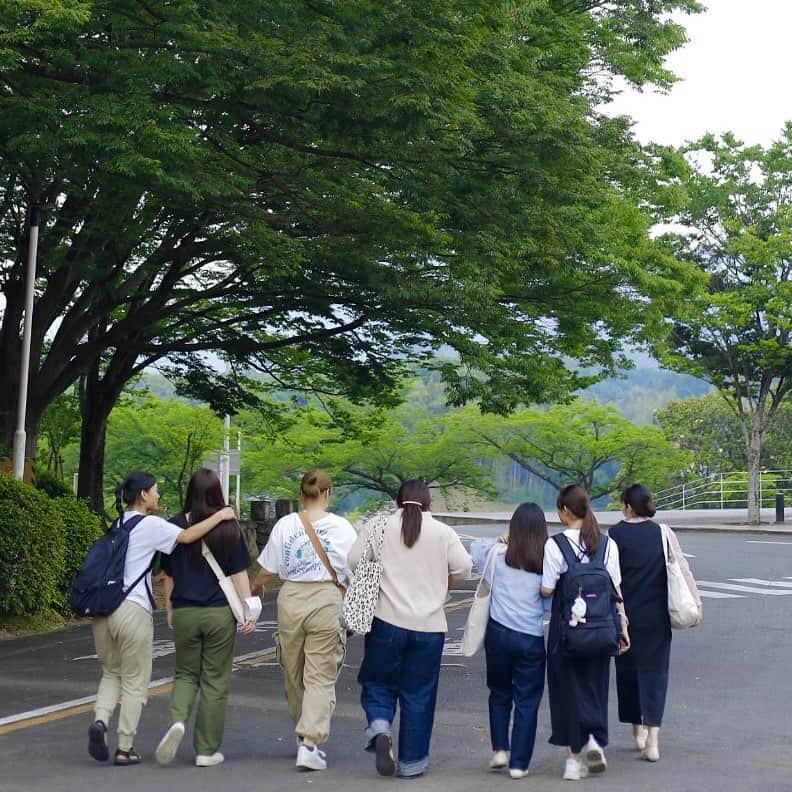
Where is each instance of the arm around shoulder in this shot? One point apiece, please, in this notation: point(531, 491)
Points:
point(199, 530)
point(460, 564)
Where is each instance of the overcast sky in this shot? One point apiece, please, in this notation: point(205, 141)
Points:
point(736, 74)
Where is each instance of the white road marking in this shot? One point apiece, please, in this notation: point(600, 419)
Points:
point(757, 541)
point(719, 595)
point(688, 555)
point(749, 589)
point(759, 582)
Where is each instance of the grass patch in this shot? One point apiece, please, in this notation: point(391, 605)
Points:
point(17, 626)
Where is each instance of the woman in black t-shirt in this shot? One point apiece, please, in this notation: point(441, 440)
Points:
point(203, 625)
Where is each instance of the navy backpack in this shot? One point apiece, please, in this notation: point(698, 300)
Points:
point(596, 633)
point(99, 587)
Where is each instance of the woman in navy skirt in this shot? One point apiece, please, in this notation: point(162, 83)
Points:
point(578, 686)
point(642, 673)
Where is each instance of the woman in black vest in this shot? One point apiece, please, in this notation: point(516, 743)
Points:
point(642, 673)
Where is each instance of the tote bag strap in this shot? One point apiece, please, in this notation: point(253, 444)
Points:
point(226, 584)
point(665, 542)
point(320, 551)
point(489, 563)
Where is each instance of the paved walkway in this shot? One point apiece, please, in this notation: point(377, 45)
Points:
point(726, 725)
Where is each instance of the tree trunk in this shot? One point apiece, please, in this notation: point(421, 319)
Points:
point(90, 479)
point(754, 471)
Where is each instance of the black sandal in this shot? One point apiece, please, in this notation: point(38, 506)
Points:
point(384, 752)
point(97, 741)
point(124, 758)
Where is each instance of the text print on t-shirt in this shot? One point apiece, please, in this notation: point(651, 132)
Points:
point(298, 552)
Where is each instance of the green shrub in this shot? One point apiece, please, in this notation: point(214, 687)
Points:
point(81, 528)
point(32, 548)
point(50, 484)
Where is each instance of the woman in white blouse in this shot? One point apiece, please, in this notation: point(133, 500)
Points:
point(578, 686)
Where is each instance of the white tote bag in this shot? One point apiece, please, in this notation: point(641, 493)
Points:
point(476, 624)
point(682, 608)
point(226, 584)
point(362, 596)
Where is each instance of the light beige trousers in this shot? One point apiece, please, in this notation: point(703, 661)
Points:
point(310, 643)
point(123, 642)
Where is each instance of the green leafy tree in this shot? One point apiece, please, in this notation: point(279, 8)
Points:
point(321, 191)
point(734, 203)
point(706, 427)
point(170, 438)
point(60, 426)
point(583, 443)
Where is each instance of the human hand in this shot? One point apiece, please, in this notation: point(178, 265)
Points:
point(504, 538)
point(247, 627)
point(226, 513)
point(699, 619)
point(257, 591)
point(624, 642)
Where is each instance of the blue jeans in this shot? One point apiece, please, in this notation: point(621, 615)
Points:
point(515, 676)
point(401, 666)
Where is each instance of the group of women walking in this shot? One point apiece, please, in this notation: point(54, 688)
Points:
point(314, 554)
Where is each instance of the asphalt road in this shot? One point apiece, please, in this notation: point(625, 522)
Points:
point(726, 728)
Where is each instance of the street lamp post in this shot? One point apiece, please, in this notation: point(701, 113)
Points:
point(20, 436)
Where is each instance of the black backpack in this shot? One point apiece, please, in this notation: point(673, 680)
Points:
point(597, 633)
point(99, 587)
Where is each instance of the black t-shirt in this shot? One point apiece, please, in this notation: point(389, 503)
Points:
point(194, 583)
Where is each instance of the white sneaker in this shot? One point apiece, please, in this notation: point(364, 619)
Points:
point(651, 753)
point(595, 756)
point(574, 770)
point(209, 760)
point(169, 744)
point(640, 738)
point(499, 759)
point(516, 773)
point(311, 758)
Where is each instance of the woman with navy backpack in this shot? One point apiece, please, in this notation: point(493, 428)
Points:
point(124, 638)
point(577, 683)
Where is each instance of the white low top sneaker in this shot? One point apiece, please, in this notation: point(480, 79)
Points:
point(169, 744)
point(209, 760)
point(595, 756)
point(640, 738)
point(499, 759)
point(574, 770)
point(311, 758)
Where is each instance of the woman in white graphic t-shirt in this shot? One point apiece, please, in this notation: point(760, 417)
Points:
point(124, 638)
point(308, 551)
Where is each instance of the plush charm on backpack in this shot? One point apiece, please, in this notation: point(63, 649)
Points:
point(578, 611)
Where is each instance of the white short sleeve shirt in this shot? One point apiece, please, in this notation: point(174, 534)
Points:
point(290, 554)
point(554, 564)
point(150, 535)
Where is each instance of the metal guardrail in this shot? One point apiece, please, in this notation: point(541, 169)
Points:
point(725, 491)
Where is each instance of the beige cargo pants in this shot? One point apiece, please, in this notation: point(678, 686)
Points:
point(310, 644)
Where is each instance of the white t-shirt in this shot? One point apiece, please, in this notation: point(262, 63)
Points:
point(554, 564)
point(151, 534)
point(290, 554)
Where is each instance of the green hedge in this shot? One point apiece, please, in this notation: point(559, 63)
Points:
point(32, 549)
point(43, 541)
point(81, 528)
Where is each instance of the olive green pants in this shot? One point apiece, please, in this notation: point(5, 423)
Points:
point(204, 655)
point(311, 644)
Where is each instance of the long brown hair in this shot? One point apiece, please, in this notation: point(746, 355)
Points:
point(412, 514)
point(203, 498)
point(527, 537)
point(577, 500)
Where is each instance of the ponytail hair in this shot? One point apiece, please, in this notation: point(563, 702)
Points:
point(127, 491)
point(640, 500)
point(413, 499)
point(577, 501)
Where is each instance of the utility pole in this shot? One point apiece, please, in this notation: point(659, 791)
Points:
point(225, 458)
point(20, 436)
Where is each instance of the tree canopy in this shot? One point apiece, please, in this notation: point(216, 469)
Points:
point(319, 190)
point(734, 205)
